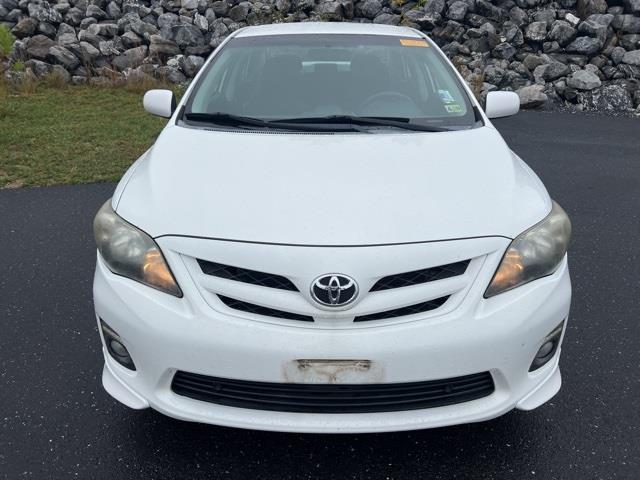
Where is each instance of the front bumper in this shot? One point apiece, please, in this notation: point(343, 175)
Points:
point(165, 334)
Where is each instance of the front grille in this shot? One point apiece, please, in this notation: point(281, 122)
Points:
point(333, 398)
point(260, 310)
point(404, 311)
point(420, 276)
point(246, 276)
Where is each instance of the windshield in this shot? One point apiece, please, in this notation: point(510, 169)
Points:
point(322, 77)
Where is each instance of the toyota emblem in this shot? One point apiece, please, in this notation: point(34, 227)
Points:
point(334, 290)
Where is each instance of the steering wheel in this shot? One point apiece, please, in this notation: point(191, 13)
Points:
point(387, 95)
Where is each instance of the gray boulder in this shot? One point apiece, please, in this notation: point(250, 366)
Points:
point(130, 39)
point(85, 22)
point(504, 51)
point(66, 35)
point(626, 23)
point(493, 75)
point(610, 98)
point(536, 31)
point(113, 11)
point(562, 32)
point(548, 16)
point(59, 72)
point(38, 67)
point(387, 19)
point(38, 47)
point(421, 20)
point(589, 7)
point(532, 96)
point(171, 74)
point(239, 12)
point(107, 30)
point(490, 11)
point(457, 10)
point(131, 58)
point(187, 35)
point(161, 47)
point(63, 56)
point(168, 20)
point(550, 71)
point(189, 4)
point(596, 26)
point(9, 4)
point(47, 29)
point(632, 58)
point(221, 8)
point(201, 22)
point(435, 7)
point(617, 54)
point(518, 16)
point(584, 80)
point(531, 61)
point(109, 48)
point(370, 8)
point(191, 64)
point(171, 5)
point(95, 12)
point(630, 42)
point(44, 12)
point(143, 29)
point(584, 45)
point(89, 52)
point(25, 27)
point(74, 16)
point(85, 36)
point(632, 6)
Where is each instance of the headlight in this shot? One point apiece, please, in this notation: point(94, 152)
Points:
point(130, 252)
point(533, 254)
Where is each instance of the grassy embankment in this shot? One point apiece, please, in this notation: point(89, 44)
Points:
point(51, 133)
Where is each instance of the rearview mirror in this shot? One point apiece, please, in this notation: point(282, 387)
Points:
point(159, 102)
point(502, 104)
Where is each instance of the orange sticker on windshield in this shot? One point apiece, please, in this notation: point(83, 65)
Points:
point(408, 42)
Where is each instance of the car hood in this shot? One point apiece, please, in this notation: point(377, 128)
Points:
point(340, 189)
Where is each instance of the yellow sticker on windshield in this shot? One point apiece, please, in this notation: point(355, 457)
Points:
point(408, 42)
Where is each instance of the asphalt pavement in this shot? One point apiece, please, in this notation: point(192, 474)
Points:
point(56, 422)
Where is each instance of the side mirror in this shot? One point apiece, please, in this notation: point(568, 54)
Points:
point(159, 102)
point(502, 104)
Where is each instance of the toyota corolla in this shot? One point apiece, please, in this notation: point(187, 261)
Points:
point(329, 235)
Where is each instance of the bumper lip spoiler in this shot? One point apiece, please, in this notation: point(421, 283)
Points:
point(118, 390)
point(543, 393)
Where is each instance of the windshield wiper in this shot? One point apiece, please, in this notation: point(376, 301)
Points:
point(396, 122)
point(231, 120)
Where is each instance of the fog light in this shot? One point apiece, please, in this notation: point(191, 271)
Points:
point(545, 350)
point(115, 347)
point(118, 348)
point(548, 349)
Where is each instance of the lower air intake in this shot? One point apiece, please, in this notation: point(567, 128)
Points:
point(333, 398)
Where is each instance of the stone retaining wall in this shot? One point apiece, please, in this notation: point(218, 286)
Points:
point(584, 53)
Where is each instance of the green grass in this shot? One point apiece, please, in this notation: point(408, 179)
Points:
point(6, 41)
point(18, 66)
point(74, 134)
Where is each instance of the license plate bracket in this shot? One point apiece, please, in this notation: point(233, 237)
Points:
point(338, 371)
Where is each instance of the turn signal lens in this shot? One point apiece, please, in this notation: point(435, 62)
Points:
point(533, 254)
point(130, 252)
point(156, 271)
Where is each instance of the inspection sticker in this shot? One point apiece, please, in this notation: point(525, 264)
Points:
point(455, 108)
point(407, 42)
point(445, 96)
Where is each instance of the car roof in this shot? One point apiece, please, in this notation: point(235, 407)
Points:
point(326, 28)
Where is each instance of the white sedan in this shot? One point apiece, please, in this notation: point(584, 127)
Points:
point(329, 235)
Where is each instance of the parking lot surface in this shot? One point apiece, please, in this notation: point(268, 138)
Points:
point(56, 422)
